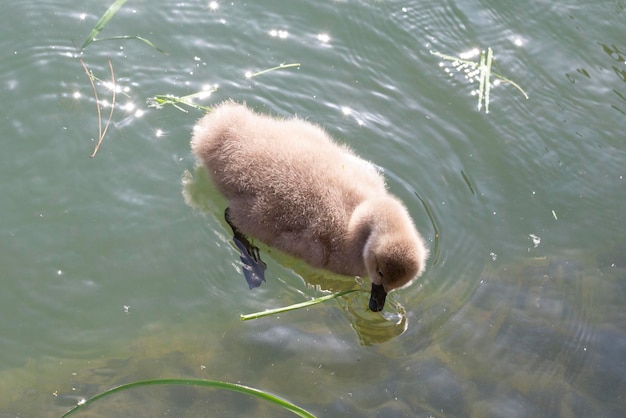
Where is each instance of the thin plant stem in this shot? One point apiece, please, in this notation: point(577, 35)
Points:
point(137, 37)
point(514, 84)
point(279, 67)
point(233, 387)
point(296, 306)
point(106, 126)
point(160, 100)
point(484, 66)
point(95, 93)
point(488, 78)
point(481, 87)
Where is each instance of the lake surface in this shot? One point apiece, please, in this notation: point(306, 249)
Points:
point(120, 268)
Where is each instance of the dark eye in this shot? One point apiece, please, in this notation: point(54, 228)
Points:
point(380, 273)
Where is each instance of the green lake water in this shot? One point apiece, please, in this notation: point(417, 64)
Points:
point(120, 268)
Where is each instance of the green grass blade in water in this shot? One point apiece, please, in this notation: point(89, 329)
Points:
point(139, 38)
point(481, 88)
point(486, 71)
point(296, 306)
point(269, 70)
point(108, 15)
point(233, 387)
point(488, 78)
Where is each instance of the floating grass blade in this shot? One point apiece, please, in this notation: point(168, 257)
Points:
point(108, 123)
point(101, 133)
point(161, 100)
point(481, 86)
point(488, 78)
point(95, 93)
point(233, 387)
point(279, 67)
point(485, 71)
point(485, 79)
point(514, 84)
point(139, 38)
point(296, 306)
point(100, 24)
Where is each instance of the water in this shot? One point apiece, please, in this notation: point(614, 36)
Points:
point(111, 274)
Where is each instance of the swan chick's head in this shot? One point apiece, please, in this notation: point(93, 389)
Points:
point(394, 254)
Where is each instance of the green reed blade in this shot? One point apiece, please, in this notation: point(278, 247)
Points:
point(139, 38)
point(488, 78)
point(511, 82)
point(279, 67)
point(481, 88)
point(108, 15)
point(486, 71)
point(161, 100)
point(233, 387)
point(296, 306)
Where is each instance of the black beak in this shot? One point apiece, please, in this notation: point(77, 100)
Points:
point(377, 299)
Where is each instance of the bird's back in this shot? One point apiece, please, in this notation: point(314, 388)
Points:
point(288, 183)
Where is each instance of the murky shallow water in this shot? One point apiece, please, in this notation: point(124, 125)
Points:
point(111, 274)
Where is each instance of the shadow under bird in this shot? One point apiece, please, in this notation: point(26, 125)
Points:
point(289, 185)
